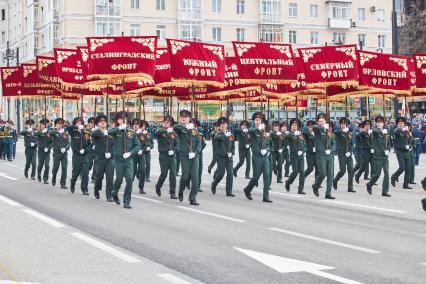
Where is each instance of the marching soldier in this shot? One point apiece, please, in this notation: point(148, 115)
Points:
point(212, 134)
point(1, 139)
point(296, 143)
point(91, 154)
point(81, 147)
point(189, 149)
point(381, 147)
point(149, 143)
point(104, 162)
point(61, 145)
point(357, 147)
point(308, 134)
point(225, 150)
point(366, 150)
point(44, 143)
point(7, 140)
point(278, 142)
point(167, 143)
point(260, 144)
point(345, 147)
point(243, 148)
point(402, 149)
point(126, 144)
point(324, 146)
point(139, 160)
point(424, 183)
point(412, 155)
point(30, 143)
point(285, 161)
point(200, 156)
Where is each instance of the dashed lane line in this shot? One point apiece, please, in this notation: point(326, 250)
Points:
point(212, 214)
point(46, 219)
point(172, 279)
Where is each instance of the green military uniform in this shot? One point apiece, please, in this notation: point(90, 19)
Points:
point(297, 150)
point(243, 150)
point(167, 145)
point(366, 155)
point(8, 136)
point(61, 145)
point(200, 157)
point(91, 154)
point(189, 149)
point(402, 148)
point(413, 145)
point(285, 156)
point(139, 160)
point(344, 144)
point(126, 145)
point(44, 143)
point(357, 151)
point(104, 162)
point(260, 144)
point(149, 145)
point(30, 143)
point(310, 149)
point(381, 147)
point(324, 146)
point(278, 143)
point(224, 152)
point(213, 162)
point(81, 147)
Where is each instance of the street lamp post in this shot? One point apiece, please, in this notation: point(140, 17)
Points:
point(8, 56)
point(394, 46)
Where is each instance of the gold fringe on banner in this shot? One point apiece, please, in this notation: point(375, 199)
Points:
point(419, 90)
point(370, 90)
point(265, 81)
point(196, 83)
point(235, 91)
point(343, 84)
point(136, 93)
point(74, 85)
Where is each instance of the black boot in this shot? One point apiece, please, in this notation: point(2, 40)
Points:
point(116, 200)
point(72, 187)
point(213, 188)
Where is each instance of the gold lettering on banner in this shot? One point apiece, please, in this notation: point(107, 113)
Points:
point(284, 49)
point(217, 50)
point(122, 55)
point(120, 67)
point(365, 57)
point(44, 62)
point(177, 45)
point(64, 54)
point(9, 71)
point(28, 69)
point(420, 60)
point(13, 85)
point(161, 52)
point(403, 62)
point(243, 48)
point(309, 53)
point(84, 54)
point(98, 42)
point(149, 42)
point(262, 71)
point(266, 61)
point(348, 50)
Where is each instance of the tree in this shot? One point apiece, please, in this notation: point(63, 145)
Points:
point(412, 37)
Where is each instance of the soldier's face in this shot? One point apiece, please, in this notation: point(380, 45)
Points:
point(283, 128)
point(102, 124)
point(113, 124)
point(380, 124)
point(90, 125)
point(166, 124)
point(294, 127)
point(343, 125)
point(401, 124)
point(243, 126)
point(321, 121)
point(78, 123)
point(276, 128)
point(120, 121)
point(185, 119)
point(59, 125)
point(135, 126)
point(223, 127)
point(42, 126)
point(257, 121)
point(367, 127)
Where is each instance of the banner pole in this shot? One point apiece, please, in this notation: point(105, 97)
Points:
point(245, 110)
point(279, 110)
point(62, 105)
point(143, 108)
point(45, 107)
point(140, 105)
point(347, 110)
point(384, 105)
point(107, 102)
point(297, 106)
point(81, 106)
point(122, 92)
point(96, 106)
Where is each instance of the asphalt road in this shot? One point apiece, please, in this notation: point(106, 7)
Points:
point(48, 235)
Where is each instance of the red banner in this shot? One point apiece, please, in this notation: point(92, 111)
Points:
point(384, 72)
point(262, 63)
point(11, 78)
point(69, 67)
point(163, 72)
point(116, 58)
point(330, 65)
point(420, 65)
point(300, 88)
point(33, 86)
point(296, 104)
point(47, 71)
point(195, 63)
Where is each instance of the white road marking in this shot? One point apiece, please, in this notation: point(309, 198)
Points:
point(424, 263)
point(172, 279)
point(365, 206)
point(9, 201)
point(7, 177)
point(334, 277)
point(147, 199)
point(15, 282)
point(212, 214)
point(107, 248)
point(367, 250)
point(44, 218)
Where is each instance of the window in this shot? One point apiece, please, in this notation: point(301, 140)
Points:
point(340, 10)
point(241, 34)
point(313, 11)
point(361, 40)
point(161, 32)
point(292, 36)
point(381, 15)
point(314, 38)
point(3, 14)
point(292, 9)
point(217, 6)
point(241, 7)
point(361, 14)
point(134, 4)
point(161, 5)
point(381, 41)
point(190, 30)
point(339, 38)
point(217, 34)
point(135, 29)
point(3, 37)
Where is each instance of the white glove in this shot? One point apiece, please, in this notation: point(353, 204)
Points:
point(313, 134)
point(122, 127)
point(345, 130)
point(82, 151)
point(171, 152)
point(32, 144)
point(370, 132)
point(229, 155)
point(297, 133)
point(347, 154)
point(105, 132)
point(411, 149)
point(262, 126)
point(299, 153)
point(405, 128)
point(245, 130)
point(190, 126)
point(385, 131)
point(191, 155)
point(407, 147)
point(148, 149)
point(247, 146)
point(372, 151)
point(327, 152)
point(30, 129)
point(46, 150)
point(81, 127)
point(140, 152)
point(144, 132)
point(169, 130)
point(387, 152)
point(61, 131)
point(227, 133)
point(44, 130)
point(314, 149)
point(326, 126)
point(139, 131)
point(279, 133)
point(126, 155)
point(62, 150)
point(93, 147)
point(280, 151)
point(263, 152)
point(107, 155)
